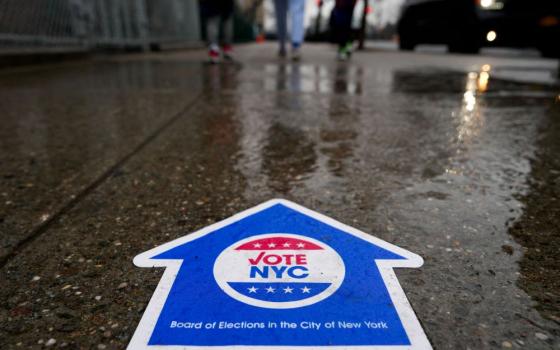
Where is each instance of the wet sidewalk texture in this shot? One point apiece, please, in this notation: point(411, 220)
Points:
point(104, 159)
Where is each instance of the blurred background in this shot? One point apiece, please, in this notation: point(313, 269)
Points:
point(464, 26)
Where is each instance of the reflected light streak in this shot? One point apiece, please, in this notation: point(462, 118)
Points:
point(469, 100)
point(471, 121)
point(483, 81)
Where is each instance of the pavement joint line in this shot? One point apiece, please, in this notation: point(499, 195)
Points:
point(39, 230)
point(42, 67)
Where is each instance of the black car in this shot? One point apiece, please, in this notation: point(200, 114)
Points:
point(467, 25)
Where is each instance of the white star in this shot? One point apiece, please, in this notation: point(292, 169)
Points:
point(270, 290)
point(288, 290)
point(257, 245)
point(300, 245)
point(286, 245)
point(252, 289)
point(271, 245)
point(305, 289)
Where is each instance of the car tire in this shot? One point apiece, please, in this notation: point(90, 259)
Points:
point(550, 51)
point(465, 37)
point(406, 46)
point(464, 49)
point(406, 43)
point(464, 46)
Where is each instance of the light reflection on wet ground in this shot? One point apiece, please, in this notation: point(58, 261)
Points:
point(436, 160)
point(440, 155)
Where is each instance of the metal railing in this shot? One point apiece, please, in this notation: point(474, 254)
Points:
point(72, 25)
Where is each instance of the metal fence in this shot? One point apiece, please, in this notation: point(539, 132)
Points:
point(77, 25)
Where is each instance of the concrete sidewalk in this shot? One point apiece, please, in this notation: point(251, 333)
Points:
point(106, 158)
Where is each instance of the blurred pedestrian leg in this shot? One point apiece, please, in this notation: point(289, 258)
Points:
point(216, 13)
point(281, 11)
point(227, 47)
point(341, 27)
point(296, 9)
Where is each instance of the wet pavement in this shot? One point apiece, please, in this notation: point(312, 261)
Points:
point(103, 159)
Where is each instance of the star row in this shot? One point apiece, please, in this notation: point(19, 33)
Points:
point(286, 290)
point(285, 245)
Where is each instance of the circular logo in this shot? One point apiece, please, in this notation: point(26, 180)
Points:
point(279, 271)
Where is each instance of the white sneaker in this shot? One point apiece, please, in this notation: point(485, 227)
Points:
point(214, 54)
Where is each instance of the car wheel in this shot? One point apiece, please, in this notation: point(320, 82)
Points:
point(464, 49)
point(464, 45)
point(464, 38)
point(406, 43)
point(550, 51)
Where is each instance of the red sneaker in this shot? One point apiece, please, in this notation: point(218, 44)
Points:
point(227, 50)
point(214, 56)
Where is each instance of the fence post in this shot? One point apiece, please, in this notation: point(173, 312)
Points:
point(142, 24)
point(116, 29)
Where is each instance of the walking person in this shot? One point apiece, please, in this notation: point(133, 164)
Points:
point(296, 10)
point(341, 27)
point(218, 13)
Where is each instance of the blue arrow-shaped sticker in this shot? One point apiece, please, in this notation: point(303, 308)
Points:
point(279, 275)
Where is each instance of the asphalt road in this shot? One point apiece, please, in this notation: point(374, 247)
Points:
point(452, 157)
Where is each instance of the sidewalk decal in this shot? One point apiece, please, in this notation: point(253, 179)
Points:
point(279, 276)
